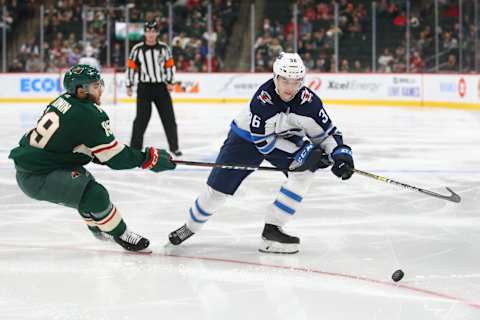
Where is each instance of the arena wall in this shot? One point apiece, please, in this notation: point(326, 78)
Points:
point(407, 90)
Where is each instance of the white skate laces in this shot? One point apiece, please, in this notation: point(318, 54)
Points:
point(131, 237)
point(181, 234)
point(184, 233)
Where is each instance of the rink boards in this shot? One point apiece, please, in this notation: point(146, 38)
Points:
point(410, 90)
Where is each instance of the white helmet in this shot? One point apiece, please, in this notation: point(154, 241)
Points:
point(289, 66)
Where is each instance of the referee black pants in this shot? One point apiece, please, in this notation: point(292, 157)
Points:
point(158, 94)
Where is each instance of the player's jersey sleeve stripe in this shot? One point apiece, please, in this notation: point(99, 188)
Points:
point(105, 152)
point(260, 137)
point(244, 134)
point(103, 147)
point(270, 146)
point(264, 143)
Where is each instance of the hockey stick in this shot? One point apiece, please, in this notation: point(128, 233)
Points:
point(225, 166)
point(452, 197)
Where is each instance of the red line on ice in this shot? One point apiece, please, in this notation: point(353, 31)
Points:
point(427, 292)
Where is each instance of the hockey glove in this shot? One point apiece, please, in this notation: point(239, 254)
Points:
point(157, 160)
point(342, 161)
point(309, 158)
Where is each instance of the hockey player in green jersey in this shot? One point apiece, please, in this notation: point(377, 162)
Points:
point(72, 132)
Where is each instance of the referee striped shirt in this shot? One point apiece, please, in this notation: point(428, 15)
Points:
point(154, 64)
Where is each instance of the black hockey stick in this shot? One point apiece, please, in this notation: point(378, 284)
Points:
point(452, 197)
point(225, 166)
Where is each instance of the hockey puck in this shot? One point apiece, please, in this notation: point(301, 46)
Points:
point(397, 275)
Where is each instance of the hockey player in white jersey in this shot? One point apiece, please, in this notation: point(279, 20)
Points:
point(286, 125)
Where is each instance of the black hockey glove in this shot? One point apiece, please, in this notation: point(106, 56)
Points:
point(309, 158)
point(342, 161)
point(157, 160)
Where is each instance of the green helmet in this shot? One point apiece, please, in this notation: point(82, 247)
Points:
point(80, 75)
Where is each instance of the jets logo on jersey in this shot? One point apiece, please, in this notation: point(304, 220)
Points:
point(265, 98)
point(306, 96)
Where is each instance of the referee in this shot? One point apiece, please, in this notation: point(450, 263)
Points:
point(153, 62)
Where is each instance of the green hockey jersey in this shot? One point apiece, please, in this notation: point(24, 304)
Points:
point(71, 133)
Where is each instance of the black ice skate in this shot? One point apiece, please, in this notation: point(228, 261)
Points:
point(181, 234)
point(132, 242)
point(276, 241)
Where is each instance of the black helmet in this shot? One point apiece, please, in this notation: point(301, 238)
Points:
point(149, 25)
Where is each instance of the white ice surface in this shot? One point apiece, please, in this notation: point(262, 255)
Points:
point(354, 234)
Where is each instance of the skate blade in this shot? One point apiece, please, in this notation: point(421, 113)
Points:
point(141, 252)
point(172, 249)
point(169, 245)
point(268, 246)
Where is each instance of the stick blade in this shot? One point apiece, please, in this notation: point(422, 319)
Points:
point(454, 197)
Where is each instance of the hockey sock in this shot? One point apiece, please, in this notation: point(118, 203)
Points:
point(289, 198)
point(88, 220)
point(203, 208)
point(103, 214)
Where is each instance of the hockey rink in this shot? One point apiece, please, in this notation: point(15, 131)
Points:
point(354, 234)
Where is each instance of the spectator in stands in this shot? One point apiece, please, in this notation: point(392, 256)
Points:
point(27, 49)
point(316, 31)
point(181, 63)
point(306, 26)
point(425, 41)
point(181, 41)
point(357, 67)
point(344, 66)
point(260, 64)
point(74, 55)
point(385, 61)
point(16, 66)
point(416, 63)
point(469, 63)
point(89, 58)
point(274, 48)
point(451, 65)
point(34, 64)
point(449, 42)
point(320, 65)
point(308, 61)
point(197, 64)
point(319, 38)
point(53, 25)
point(355, 26)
